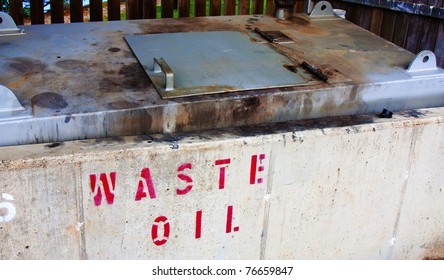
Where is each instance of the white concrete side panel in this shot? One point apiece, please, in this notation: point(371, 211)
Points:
point(39, 213)
point(335, 194)
point(340, 188)
point(420, 230)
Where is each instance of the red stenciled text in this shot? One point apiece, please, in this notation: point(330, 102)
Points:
point(105, 184)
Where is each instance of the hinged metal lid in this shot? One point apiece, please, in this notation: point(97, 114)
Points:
point(197, 63)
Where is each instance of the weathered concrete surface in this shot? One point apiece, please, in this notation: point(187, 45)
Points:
point(354, 187)
point(46, 211)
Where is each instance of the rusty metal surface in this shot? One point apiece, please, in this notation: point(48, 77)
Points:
point(82, 81)
point(350, 187)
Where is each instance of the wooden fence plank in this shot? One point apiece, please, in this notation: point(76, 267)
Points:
point(271, 8)
point(300, 7)
point(200, 8)
point(113, 9)
point(37, 16)
point(434, 3)
point(388, 25)
point(167, 8)
point(401, 27)
point(258, 6)
point(336, 4)
point(230, 7)
point(76, 10)
point(215, 7)
point(366, 17)
point(57, 11)
point(184, 8)
point(348, 9)
point(244, 7)
point(133, 9)
point(354, 13)
point(16, 7)
point(95, 10)
point(414, 33)
point(149, 9)
point(430, 32)
point(376, 21)
point(439, 45)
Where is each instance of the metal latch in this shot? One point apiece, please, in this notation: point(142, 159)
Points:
point(8, 26)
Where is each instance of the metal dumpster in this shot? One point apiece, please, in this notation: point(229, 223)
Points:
point(234, 137)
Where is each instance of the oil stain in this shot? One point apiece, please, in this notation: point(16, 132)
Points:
point(121, 105)
point(114, 50)
point(72, 65)
point(135, 76)
point(49, 100)
point(54, 145)
point(247, 107)
point(20, 67)
point(168, 25)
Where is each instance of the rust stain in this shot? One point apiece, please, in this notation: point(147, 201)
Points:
point(72, 230)
point(435, 251)
point(185, 25)
point(72, 65)
point(21, 70)
point(122, 105)
point(246, 108)
point(135, 122)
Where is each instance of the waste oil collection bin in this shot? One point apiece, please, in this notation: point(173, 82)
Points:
point(232, 137)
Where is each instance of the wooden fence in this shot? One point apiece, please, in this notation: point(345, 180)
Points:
point(410, 28)
point(139, 9)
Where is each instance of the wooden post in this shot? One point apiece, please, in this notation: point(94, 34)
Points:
point(57, 11)
point(200, 8)
point(244, 7)
point(96, 10)
point(258, 6)
point(76, 10)
point(37, 16)
point(230, 7)
point(215, 8)
point(113, 9)
point(167, 8)
point(16, 7)
point(184, 8)
point(149, 9)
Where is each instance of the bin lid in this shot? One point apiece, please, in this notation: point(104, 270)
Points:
point(197, 63)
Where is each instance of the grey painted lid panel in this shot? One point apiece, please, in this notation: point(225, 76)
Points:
point(212, 62)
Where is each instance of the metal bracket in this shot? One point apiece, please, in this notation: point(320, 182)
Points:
point(10, 107)
point(424, 64)
point(8, 26)
point(8, 100)
point(160, 65)
point(322, 9)
point(423, 61)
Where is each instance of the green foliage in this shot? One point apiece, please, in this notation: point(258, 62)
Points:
point(5, 6)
